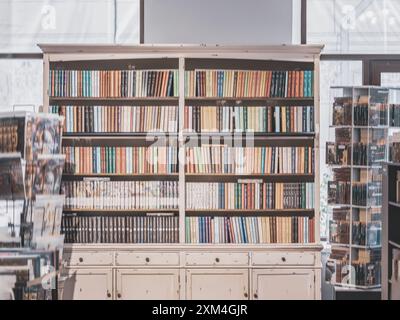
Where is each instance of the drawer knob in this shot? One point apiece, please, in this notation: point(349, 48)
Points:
point(147, 259)
point(255, 296)
point(246, 294)
point(283, 259)
point(108, 295)
point(80, 259)
point(216, 259)
point(119, 295)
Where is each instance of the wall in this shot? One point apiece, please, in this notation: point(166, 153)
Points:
point(222, 21)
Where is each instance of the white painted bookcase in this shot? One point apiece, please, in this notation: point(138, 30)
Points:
point(195, 271)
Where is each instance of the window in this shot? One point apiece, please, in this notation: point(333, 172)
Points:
point(354, 26)
point(23, 23)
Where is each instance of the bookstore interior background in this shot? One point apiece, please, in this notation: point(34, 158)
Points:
point(361, 47)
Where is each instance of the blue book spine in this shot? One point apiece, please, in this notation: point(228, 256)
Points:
point(243, 229)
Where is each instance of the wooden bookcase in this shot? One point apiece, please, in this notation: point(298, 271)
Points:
point(390, 232)
point(187, 270)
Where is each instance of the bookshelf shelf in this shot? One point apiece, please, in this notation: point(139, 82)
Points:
point(259, 135)
point(114, 99)
point(394, 244)
point(119, 135)
point(209, 177)
point(258, 101)
point(232, 211)
point(123, 177)
point(394, 204)
point(345, 245)
point(288, 76)
point(119, 210)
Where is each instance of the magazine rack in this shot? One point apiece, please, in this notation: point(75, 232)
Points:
point(30, 174)
point(361, 121)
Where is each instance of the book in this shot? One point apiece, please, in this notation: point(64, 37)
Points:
point(96, 119)
point(342, 111)
point(113, 83)
point(103, 194)
point(394, 115)
point(249, 160)
point(339, 226)
point(249, 194)
point(120, 160)
point(248, 83)
point(338, 153)
point(268, 119)
point(11, 177)
point(149, 228)
point(249, 229)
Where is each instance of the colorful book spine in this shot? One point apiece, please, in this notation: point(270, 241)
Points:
point(121, 160)
point(98, 119)
point(113, 83)
point(249, 160)
point(254, 230)
point(249, 195)
point(276, 119)
point(249, 83)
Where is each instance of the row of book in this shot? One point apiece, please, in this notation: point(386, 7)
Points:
point(240, 229)
point(370, 115)
point(101, 193)
point(363, 154)
point(250, 160)
point(394, 115)
point(368, 154)
point(359, 274)
point(121, 160)
point(339, 192)
point(99, 119)
point(367, 194)
point(276, 119)
point(249, 195)
point(9, 137)
point(360, 112)
point(152, 228)
point(363, 234)
point(248, 83)
point(113, 83)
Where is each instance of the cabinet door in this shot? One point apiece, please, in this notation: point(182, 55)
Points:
point(283, 284)
point(88, 284)
point(147, 284)
point(217, 284)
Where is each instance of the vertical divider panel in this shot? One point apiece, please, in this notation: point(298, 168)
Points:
point(46, 82)
point(181, 153)
point(317, 149)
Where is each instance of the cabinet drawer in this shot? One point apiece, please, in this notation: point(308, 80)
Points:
point(216, 259)
point(88, 258)
point(283, 258)
point(147, 258)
